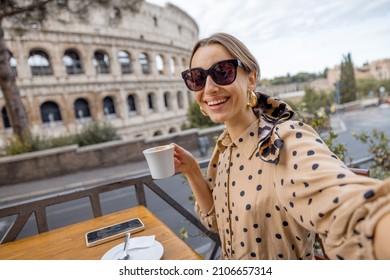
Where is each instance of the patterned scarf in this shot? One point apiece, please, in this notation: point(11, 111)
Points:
point(271, 111)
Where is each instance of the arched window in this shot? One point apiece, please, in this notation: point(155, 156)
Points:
point(117, 13)
point(13, 63)
point(151, 102)
point(39, 63)
point(159, 64)
point(72, 62)
point(190, 97)
point(125, 62)
point(157, 133)
point(5, 118)
point(184, 63)
point(109, 107)
point(167, 101)
point(172, 64)
point(180, 101)
point(172, 130)
point(81, 109)
point(50, 112)
point(145, 65)
point(101, 61)
point(132, 104)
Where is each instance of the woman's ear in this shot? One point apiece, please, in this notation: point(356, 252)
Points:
point(252, 80)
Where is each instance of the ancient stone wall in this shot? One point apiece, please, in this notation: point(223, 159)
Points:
point(140, 104)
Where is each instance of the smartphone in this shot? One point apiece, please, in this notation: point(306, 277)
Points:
point(101, 235)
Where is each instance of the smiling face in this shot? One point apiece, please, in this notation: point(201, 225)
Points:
point(224, 104)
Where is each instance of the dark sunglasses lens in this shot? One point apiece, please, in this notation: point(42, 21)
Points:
point(224, 73)
point(195, 79)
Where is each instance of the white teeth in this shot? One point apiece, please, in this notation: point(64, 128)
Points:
point(215, 102)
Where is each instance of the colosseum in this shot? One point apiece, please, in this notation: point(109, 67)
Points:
point(127, 74)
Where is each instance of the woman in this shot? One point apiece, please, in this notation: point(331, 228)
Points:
point(272, 183)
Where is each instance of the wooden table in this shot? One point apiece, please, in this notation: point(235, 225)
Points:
point(68, 243)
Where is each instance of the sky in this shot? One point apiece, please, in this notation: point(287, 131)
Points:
point(292, 36)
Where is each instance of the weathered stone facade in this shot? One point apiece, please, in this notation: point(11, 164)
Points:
point(72, 73)
point(377, 69)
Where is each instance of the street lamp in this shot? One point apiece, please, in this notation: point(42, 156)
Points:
point(337, 96)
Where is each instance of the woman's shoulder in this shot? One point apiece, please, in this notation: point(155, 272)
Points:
point(294, 128)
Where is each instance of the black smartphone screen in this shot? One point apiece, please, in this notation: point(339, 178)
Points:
point(112, 230)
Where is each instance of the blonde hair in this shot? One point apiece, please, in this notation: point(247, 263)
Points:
point(235, 47)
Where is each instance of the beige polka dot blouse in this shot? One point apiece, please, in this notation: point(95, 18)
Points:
point(278, 184)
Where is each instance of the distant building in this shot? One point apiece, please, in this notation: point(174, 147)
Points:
point(378, 69)
point(127, 74)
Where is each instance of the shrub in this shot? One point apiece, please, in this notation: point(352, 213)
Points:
point(379, 148)
point(91, 134)
point(96, 133)
point(15, 146)
point(196, 119)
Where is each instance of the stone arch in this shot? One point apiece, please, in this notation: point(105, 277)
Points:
point(101, 61)
point(160, 64)
point(167, 100)
point(152, 104)
point(180, 100)
point(172, 130)
point(132, 102)
point(125, 61)
point(109, 106)
point(81, 109)
point(4, 115)
point(145, 63)
point(50, 112)
point(39, 62)
point(157, 133)
point(72, 62)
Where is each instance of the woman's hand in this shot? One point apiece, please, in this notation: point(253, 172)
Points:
point(381, 238)
point(184, 160)
point(186, 163)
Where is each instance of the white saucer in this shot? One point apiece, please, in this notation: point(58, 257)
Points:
point(151, 253)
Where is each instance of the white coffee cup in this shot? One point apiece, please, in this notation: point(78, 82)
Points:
point(160, 161)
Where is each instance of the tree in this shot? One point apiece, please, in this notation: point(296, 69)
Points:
point(23, 15)
point(196, 119)
point(347, 80)
point(364, 86)
point(315, 100)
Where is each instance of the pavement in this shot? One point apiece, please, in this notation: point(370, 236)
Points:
point(30, 189)
point(337, 124)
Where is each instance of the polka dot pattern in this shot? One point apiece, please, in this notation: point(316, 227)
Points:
point(271, 195)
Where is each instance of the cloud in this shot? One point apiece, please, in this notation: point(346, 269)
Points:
point(289, 36)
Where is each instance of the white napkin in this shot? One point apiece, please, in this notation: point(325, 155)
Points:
point(141, 242)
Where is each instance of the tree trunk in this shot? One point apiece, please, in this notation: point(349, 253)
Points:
point(15, 109)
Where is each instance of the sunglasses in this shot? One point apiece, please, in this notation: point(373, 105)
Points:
point(223, 73)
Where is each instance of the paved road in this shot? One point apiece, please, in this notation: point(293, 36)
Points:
point(361, 121)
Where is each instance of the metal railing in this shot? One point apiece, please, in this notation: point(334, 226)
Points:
point(38, 206)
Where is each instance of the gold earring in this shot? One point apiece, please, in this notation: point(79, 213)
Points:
point(252, 99)
point(203, 112)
